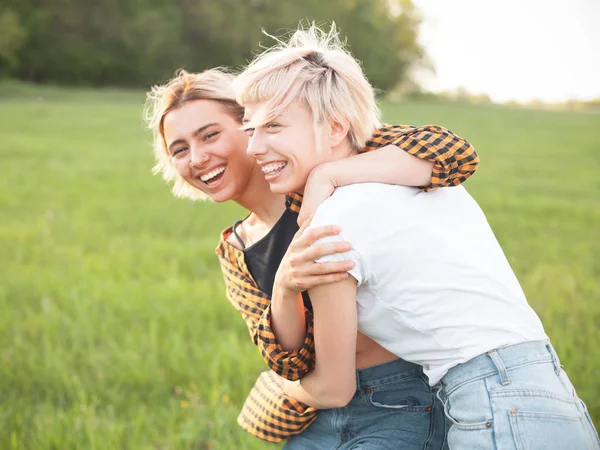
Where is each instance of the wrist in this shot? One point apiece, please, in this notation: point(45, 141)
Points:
point(290, 388)
point(281, 293)
point(327, 173)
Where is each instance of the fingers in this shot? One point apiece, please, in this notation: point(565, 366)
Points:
point(312, 273)
point(329, 248)
point(306, 239)
point(325, 279)
point(329, 268)
point(299, 267)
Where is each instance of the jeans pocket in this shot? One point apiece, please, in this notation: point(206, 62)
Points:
point(545, 431)
point(412, 395)
point(471, 426)
point(467, 425)
point(464, 407)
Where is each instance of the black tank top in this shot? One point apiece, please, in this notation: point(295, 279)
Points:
point(264, 256)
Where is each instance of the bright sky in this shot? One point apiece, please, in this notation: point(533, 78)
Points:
point(513, 49)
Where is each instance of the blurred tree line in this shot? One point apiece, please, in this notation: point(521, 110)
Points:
point(142, 42)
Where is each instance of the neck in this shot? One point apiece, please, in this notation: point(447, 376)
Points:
point(343, 150)
point(264, 205)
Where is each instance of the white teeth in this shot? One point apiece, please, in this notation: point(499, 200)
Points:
point(273, 167)
point(213, 173)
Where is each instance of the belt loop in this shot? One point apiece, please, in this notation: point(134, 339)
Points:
point(495, 357)
point(358, 381)
point(555, 361)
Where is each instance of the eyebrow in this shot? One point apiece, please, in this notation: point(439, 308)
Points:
point(194, 134)
point(246, 121)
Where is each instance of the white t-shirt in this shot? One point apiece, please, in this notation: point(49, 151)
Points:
point(434, 286)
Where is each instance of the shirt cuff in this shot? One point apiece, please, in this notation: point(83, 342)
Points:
point(291, 365)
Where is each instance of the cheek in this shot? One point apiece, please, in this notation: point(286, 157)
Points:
point(182, 167)
point(233, 150)
point(241, 168)
point(310, 160)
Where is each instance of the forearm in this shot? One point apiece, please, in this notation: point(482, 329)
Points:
point(387, 165)
point(333, 381)
point(288, 319)
point(454, 158)
point(315, 390)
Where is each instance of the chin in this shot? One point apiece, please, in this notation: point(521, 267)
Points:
point(221, 197)
point(278, 190)
point(217, 197)
point(286, 188)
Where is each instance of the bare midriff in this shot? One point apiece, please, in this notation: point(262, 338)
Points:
point(370, 353)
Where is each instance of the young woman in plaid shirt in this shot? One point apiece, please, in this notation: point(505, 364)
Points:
point(429, 283)
point(200, 148)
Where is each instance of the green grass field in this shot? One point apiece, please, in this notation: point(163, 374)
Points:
point(115, 332)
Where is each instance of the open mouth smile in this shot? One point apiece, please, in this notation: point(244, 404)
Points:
point(213, 177)
point(271, 170)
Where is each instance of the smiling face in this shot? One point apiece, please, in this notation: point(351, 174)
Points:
point(208, 149)
point(286, 147)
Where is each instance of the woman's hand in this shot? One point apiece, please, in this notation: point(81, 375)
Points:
point(299, 270)
point(319, 187)
point(288, 387)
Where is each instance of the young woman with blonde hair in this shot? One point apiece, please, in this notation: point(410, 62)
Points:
point(429, 284)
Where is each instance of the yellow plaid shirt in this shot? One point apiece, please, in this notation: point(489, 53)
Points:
point(454, 160)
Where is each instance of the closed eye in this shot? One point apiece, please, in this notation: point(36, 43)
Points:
point(210, 135)
point(179, 151)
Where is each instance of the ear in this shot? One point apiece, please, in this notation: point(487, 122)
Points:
point(338, 131)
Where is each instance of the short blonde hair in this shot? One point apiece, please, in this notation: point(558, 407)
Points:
point(315, 68)
point(213, 84)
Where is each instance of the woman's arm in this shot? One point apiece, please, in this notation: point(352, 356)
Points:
point(454, 158)
point(299, 272)
point(255, 308)
point(332, 383)
point(433, 157)
point(386, 165)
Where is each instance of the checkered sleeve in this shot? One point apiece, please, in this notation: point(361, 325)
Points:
point(271, 415)
point(454, 158)
point(255, 308)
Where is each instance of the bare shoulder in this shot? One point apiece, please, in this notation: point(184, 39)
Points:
point(233, 238)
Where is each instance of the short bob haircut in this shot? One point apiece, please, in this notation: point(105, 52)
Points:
point(213, 84)
point(313, 67)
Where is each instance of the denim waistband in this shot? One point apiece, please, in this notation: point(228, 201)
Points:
point(386, 372)
point(499, 361)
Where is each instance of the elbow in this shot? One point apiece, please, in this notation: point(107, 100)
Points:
point(292, 344)
point(474, 165)
point(470, 166)
point(336, 394)
point(341, 399)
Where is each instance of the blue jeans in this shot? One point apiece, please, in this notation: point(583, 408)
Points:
point(393, 408)
point(515, 398)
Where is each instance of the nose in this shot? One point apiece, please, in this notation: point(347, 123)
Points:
point(198, 157)
point(256, 145)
